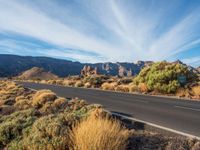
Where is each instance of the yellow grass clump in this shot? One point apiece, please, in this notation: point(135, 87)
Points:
point(196, 90)
point(87, 85)
point(109, 86)
point(68, 82)
point(143, 87)
point(181, 92)
point(133, 87)
point(122, 88)
point(79, 84)
point(43, 96)
point(22, 104)
point(99, 133)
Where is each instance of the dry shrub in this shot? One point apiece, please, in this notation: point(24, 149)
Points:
point(60, 103)
point(143, 87)
point(51, 82)
point(79, 84)
point(59, 82)
point(196, 90)
point(181, 92)
point(43, 81)
point(109, 86)
point(133, 88)
point(87, 85)
point(43, 96)
point(68, 82)
point(22, 104)
point(122, 88)
point(6, 109)
point(99, 133)
point(21, 97)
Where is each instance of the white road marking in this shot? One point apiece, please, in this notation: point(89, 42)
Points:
point(158, 126)
point(188, 108)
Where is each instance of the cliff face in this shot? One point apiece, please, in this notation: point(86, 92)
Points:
point(12, 65)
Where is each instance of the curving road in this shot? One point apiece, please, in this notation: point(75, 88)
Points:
point(175, 114)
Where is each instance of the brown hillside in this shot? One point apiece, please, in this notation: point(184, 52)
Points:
point(37, 73)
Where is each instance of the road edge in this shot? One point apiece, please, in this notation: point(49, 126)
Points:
point(155, 126)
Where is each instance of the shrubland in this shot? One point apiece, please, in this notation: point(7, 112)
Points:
point(41, 120)
point(161, 78)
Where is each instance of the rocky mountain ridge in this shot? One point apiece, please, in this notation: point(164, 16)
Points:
point(13, 65)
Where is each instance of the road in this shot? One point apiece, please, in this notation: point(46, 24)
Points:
point(179, 115)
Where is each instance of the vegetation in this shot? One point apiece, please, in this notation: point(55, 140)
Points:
point(163, 77)
point(42, 120)
point(37, 119)
point(99, 133)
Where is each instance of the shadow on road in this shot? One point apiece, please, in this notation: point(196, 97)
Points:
point(129, 123)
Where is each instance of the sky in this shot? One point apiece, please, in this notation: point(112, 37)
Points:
point(102, 30)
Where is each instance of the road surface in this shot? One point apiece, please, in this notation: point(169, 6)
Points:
point(175, 114)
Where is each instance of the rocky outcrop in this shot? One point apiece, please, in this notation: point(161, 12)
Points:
point(88, 70)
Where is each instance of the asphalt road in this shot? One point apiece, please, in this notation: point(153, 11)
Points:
point(176, 114)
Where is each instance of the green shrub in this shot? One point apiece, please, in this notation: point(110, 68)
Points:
point(11, 126)
point(163, 76)
point(47, 133)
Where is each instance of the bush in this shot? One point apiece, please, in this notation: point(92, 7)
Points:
point(43, 96)
point(109, 86)
point(124, 81)
point(163, 77)
point(99, 133)
point(87, 85)
point(11, 126)
point(122, 88)
point(196, 90)
point(79, 84)
point(22, 104)
point(143, 87)
point(47, 133)
point(94, 80)
point(6, 109)
point(69, 82)
point(133, 87)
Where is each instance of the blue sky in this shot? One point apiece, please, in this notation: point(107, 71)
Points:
point(102, 30)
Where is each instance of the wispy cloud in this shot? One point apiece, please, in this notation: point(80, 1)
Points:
point(193, 61)
point(113, 30)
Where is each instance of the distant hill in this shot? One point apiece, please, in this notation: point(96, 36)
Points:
point(13, 65)
point(37, 73)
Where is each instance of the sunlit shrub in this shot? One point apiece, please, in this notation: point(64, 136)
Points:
point(99, 133)
point(109, 86)
point(43, 96)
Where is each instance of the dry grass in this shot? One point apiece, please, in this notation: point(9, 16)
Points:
point(87, 85)
point(143, 87)
point(133, 87)
point(99, 133)
point(109, 86)
point(43, 96)
point(79, 84)
point(22, 104)
point(181, 92)
point(122, 88)
point(68, 82)
point(196, 90)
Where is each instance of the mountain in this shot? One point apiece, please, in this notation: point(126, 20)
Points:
point(37, 73)
point(13, 65)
